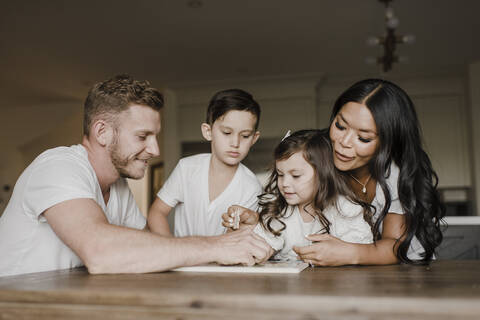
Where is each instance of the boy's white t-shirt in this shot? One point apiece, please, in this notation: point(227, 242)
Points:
point(27, 242)
point(347, 225)
point(186, 189)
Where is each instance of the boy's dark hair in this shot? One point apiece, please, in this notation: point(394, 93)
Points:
point(232, 99)
point(110, 97)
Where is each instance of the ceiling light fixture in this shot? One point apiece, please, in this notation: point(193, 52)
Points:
point(195, 4)
point(389, 41)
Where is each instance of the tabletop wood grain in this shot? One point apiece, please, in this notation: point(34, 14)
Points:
point(443, 290)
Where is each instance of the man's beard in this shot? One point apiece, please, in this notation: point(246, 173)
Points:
point(120, 163)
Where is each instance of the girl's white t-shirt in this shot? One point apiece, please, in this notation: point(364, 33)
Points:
point(346, 223)
point(27, 242)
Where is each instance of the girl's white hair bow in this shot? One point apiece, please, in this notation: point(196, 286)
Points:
point(287, 135)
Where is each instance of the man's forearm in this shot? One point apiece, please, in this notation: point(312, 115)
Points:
point(122, 250)
point(107, 248)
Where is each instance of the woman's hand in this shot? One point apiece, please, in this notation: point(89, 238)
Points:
point(248, 218)
point(326, 250)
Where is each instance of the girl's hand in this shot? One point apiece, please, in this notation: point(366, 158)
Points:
point(326, 250)
point(248, 218)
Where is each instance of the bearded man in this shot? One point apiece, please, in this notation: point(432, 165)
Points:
point(72, 205)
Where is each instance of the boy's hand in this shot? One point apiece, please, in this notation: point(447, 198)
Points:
point(238, 217)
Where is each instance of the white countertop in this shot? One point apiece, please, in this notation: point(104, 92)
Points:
point(462, 220)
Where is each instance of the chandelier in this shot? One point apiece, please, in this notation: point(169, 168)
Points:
point(389, 41)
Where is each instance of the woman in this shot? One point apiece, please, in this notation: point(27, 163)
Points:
point(376, 141)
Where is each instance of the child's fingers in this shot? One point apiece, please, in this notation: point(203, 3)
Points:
point(248, 217)
point(226, 224)
point(232, 209)
point(226, 219)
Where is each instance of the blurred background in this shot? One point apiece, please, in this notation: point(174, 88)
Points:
point(295, 57)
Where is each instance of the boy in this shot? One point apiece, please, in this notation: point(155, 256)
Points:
point(202, 187)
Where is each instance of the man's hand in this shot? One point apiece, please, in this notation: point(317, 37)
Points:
point(241, 247)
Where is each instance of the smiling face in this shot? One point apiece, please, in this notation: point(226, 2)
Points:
point(296, 180)
point(231, 136)
point(135, 141)
point(354, 137)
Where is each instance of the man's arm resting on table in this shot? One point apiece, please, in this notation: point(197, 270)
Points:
point(106, 248)
point(157, 217)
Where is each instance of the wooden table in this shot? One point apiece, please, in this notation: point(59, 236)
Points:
point(444, 290)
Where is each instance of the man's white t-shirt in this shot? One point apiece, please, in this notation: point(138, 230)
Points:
point(27, 242)
point(186, 189)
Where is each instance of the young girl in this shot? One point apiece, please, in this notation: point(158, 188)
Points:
point(303, 197)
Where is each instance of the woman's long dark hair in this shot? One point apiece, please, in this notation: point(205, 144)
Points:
point(400, 142)
point(317, 151)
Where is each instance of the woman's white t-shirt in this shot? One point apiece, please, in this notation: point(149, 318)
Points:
point(378, 202)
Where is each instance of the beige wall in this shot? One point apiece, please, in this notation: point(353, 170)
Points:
point(286, 103)
point(442, 110)
point(66, 133)
point(474, 116)
point(21, 126)
point(302, 102)
point(10, 168)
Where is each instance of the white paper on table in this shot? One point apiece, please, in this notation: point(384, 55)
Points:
point(268, 267)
